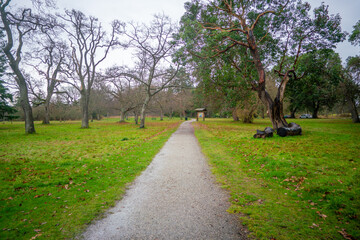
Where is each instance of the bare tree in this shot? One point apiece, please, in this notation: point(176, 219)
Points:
point(124, 90)
point(154, 46)
point(90, 47)
point(161, 100)
point(48, 61)
point(17, 26)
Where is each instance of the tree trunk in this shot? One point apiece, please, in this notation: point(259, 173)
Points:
point(354, 112)
point(315, 112)
point(29, 120)
point(263, 111)
point(161, 114)
point(24, 102)
point(171, 114)
point(20, 79)
point(46, 119)
point(136, 117)
point(292, 113)
point(122, 116)
point(143, 110)
point(275, 108)
point(85, 109)
point(234, 115)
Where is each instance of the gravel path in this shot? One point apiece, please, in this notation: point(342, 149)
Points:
point(174, 198)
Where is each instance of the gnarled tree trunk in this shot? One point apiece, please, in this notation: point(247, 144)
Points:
point(275, 107)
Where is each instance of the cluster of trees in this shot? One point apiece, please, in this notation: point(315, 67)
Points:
point(239, 46)
point(66, 50)
point(244, 56)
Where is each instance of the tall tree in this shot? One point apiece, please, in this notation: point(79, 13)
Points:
point(89, 48)
point(154, 46)
point(48, 61)
point(351, 86)
point(318, 87)
point(5, 95)
point(354, 37)
point(269, 31)
point(124, 90)
point(17, 25)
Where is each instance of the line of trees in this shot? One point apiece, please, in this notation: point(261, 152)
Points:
point(245, 57)
point(64, 52)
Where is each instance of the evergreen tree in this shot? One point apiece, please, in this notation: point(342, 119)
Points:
point(5, 96)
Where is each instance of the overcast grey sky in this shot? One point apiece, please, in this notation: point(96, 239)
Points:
point(143, 10)
point(349, 11)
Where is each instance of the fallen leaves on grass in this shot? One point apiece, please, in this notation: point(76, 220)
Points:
point(314, 225)
point(321, 215)
point(346, 235)
point(36, 236)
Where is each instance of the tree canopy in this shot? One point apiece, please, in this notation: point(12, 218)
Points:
point(318, 87)
point(260, 33)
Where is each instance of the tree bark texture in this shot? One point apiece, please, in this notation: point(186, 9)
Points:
point(275, 108)
point(122, 115)
point(85, 109)
point(143, 110)
point(46, 119)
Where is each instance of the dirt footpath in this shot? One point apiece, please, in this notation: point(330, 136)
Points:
point(176, 197)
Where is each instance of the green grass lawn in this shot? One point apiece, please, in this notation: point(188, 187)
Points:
point(301, 187)
point(55, 182)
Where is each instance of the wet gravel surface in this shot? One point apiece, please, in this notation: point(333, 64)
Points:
point(176, 197)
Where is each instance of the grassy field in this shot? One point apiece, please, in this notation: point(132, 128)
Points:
point(55, 182)
point(301, 187)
